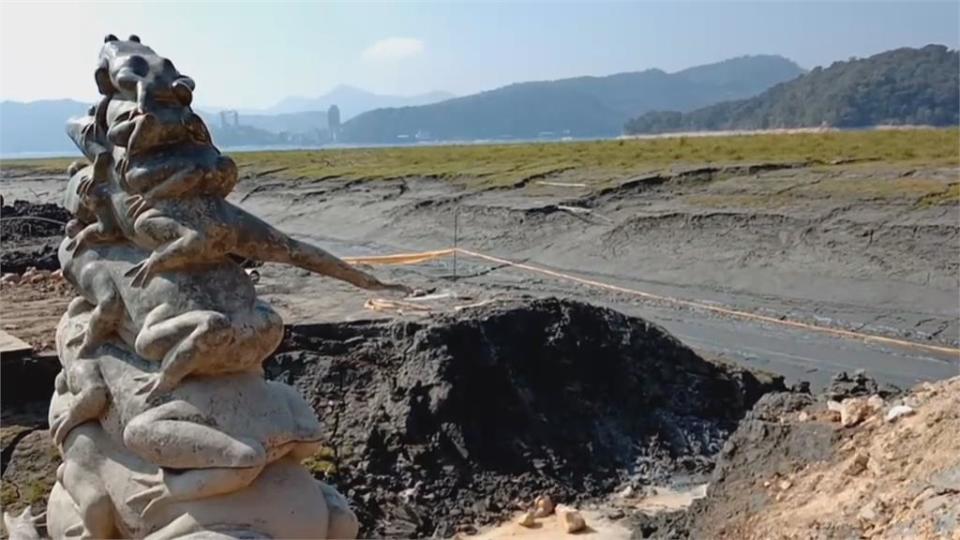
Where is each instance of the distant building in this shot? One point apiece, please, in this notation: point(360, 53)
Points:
point(333, 122)
point(226, 116)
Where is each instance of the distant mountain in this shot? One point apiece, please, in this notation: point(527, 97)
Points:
point(578, 107)
point(352, 101)
point(743, 76)
point(38, 126)
point(902, 86)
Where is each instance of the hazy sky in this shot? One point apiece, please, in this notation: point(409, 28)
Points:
point(252, 54)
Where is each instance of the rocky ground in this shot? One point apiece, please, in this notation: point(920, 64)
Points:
point(873, 465)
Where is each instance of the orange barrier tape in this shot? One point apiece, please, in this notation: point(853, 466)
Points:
point(414, 258)
point(384, 304)
point(716, 309)
point(401, 258)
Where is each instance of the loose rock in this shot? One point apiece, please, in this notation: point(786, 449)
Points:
point(857, 464)
point(868, 513)
point(543, 506)
point(527, 520)
point(859, 384)
point(898, 411)
point(38, 276)
point(571, 519)
point(853, 411)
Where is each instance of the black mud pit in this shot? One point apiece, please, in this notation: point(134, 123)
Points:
point(31, 234)
point(445, 423)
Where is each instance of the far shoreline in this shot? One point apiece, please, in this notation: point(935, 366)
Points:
point(57, 154)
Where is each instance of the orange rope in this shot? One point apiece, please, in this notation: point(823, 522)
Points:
point(415, 258)
point(716, 309)
point(401, 258)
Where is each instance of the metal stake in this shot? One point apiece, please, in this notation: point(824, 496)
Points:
point(456, 238)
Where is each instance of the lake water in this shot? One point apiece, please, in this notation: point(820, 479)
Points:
point(280, 148)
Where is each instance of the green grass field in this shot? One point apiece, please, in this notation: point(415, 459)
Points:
point(600, 161)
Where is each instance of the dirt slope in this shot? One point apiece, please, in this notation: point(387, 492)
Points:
point(888, 480)
point(793, 471)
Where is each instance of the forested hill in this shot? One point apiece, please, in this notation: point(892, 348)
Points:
point(576, 107)
point(899, 87)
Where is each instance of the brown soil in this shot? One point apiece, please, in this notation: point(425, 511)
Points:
point(910, 487)
point(791, 471)
point(31, 311)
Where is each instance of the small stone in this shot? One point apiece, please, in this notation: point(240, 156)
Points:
point(897, 412)
point(930, 389)
point(571, 519)
point(527, 520)
point(615, 514)
point(10, 279)
point(625, 493)
point(853, 411)
point(38, 276)
point(833, 410)
point(785, 485)
point(868, 513)
point(803, 416)
point(857, 464)
point(875, 402)
point(543, 506)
